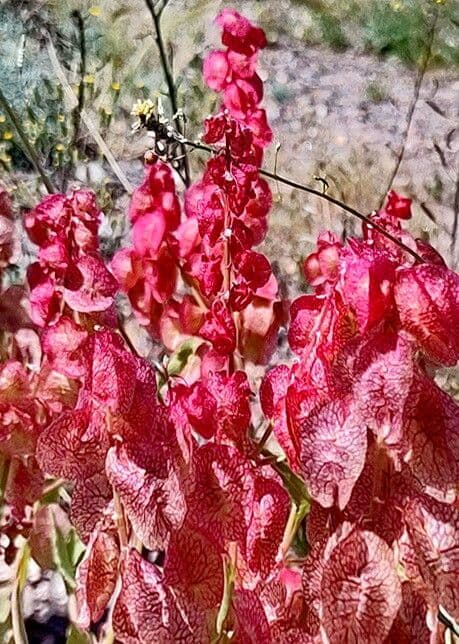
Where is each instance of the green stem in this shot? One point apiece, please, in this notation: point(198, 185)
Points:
point(26, 143)
point(5, 465)
point(17, 618)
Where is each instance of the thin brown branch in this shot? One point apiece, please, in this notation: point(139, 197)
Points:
point(318, 193)
point(171, 89)
point(456, 217)
point(414, 102)
point(445, 618)
point(29, 149)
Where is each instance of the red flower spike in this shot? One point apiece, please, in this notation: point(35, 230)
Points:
point(239, 34)
point(254, 268)
point(216, 73)
point(157, 192)
point(333, 447)
point(257, 121)
point(148, 233)
point(219, 328)
point(358, 413)
point(427, 298)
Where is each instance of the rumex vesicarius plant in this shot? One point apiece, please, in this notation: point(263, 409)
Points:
point(320, 506)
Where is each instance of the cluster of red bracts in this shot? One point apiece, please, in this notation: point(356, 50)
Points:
point(225, 216)
point(171, 464)
point(376, 441)
point(69, 271)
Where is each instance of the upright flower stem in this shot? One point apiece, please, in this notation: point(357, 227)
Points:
point(165, 64)
point(29, 149)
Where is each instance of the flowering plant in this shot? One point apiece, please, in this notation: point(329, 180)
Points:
point(318, 505)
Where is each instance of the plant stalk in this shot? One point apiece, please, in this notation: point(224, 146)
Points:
point(30, 150)
point(171, 90)
point(322, 195)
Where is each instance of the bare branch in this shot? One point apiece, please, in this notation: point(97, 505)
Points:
point(456, 217)
point(322, 195)
point(412, 108)
point(81, 94)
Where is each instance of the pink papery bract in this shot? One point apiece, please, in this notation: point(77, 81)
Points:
point(332, 454)
point(427, 299)
point(146, 610)
point(358, 592)
point(220, 504)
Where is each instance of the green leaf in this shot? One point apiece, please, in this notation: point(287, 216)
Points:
point(294, 485)
point(301, 504)
point(229, 571)
point(68, 552)
point(75, 636)
point(179, 360)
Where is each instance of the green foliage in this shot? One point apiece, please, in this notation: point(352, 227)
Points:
point(397, 28)
point(331, 31)
point(75, 636)
point(376, 93)
point(181, 357)
point(402, 29)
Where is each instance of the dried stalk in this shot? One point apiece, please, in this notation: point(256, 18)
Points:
point(87, 120)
